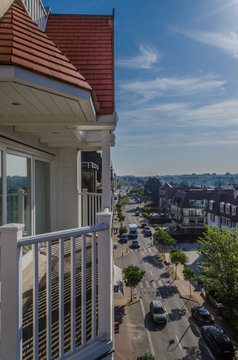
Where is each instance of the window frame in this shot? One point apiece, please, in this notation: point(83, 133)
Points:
point(9, 147)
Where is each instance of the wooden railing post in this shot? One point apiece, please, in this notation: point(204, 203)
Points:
point(11, 291)
point(105, 263)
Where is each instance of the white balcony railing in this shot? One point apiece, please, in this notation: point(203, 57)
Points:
point(71, 315)
point(37, 12)
point(91, 204)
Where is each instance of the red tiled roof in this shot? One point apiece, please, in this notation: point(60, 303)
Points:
point(24, 44)
point(88, 41)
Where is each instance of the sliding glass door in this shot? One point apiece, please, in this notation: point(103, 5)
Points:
point(18, 173)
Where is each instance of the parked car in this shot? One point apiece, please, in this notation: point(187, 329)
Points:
point(218, 342)
point(148, 232)
point(137, 213)
point(146, 227)
point(135, 244)
point(158, 312)
point(202, 316)
point(143, 225)
point(124, 238)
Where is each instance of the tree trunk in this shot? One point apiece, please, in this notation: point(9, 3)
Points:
point(131, 293)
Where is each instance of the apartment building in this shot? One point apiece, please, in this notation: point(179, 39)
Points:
point(56, 100)
point(188, 210)
point(222, 210)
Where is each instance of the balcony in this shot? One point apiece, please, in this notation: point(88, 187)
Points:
point(56, 302)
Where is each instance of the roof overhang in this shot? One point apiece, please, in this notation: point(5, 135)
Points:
point(30, 98)
point(55, 113)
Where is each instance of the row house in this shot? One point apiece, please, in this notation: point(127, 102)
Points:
point(188, 210)
point(166, 192)
point(56, 101)
point(222, 210)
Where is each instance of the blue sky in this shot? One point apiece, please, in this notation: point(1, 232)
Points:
point(176, 83)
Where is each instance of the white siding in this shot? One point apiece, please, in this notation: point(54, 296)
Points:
point(65, 188)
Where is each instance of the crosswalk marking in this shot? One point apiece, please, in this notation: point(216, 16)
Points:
point(145, 284)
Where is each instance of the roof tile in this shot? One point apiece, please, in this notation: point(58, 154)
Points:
point(87, 40)
point(24, 44)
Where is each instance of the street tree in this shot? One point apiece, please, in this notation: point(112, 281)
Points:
point(189, 274)
point(178, 257)
point(151, 189)
point(122, 230)
point(132, 276)
point(147, 357)
point(219, 263)
point(163, 238)
point(125, 200)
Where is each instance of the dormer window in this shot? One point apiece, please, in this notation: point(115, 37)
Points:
point(211, 202)
point(222, 207)
point(233, 210)
point(228, 209)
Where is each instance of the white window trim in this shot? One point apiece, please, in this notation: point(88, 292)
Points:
point(12, 148)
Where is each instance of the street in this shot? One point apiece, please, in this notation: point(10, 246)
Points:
point(180, 337)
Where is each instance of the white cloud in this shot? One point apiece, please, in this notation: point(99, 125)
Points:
point(176, 86)
point(225, 41)
point(147, 56)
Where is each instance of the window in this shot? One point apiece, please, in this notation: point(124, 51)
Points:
point(18, 172)
point(228, 209)
point(25, 188)
point(233, 210)
point(223, 221)
point(211, 202)
point(222, 207)
point(212, 217)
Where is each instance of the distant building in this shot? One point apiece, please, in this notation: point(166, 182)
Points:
point(222, 210)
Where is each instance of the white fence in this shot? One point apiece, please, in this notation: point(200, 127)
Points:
point(37, 12)
point(91, 204)
point(98, 278)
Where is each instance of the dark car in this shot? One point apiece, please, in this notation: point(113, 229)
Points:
point(158, 312)
point(143, 225)
point(202, 316)
point(218, 342)
point(148, 232)
point(124, 238)
point(135, 244)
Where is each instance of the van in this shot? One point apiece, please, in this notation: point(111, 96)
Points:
point(133, 231)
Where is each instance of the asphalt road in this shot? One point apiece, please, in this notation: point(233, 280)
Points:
point(180, 337)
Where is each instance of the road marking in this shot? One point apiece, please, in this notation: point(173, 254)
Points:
point(147, 284)
point(147, 331)
point(178, 342)
point(154, 285)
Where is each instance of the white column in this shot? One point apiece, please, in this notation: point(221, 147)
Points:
point(11, 291)
point(79, 187)
point(106, 170)
point(105, 263)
